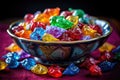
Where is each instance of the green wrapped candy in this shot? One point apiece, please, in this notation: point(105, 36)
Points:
point(61, 22)
point(77, 12)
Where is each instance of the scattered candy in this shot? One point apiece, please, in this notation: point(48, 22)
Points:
point(12, 63)
point(39, 69)
point(55, 71)
point(13, 47)
point(106, 65)
point(106, 47)
point(95, 70)
point(28, 63)
point(3, 65)
point(72, 69)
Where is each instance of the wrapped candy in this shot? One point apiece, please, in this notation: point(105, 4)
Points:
point(95, 70)
point(49, 37)
point(106, 47)
point(89, 62)
point(3, 65)
point(72, 69)
point(12, 63)
point(73, 19)
point(77, 12)
point(28, 63)
point(106, 65)
point(55, 31)
point(37, 34)
point(61, 22)
point(13, 47)
point(55, 71)
point(13, 55)
point(39, 69)
point(116, 50)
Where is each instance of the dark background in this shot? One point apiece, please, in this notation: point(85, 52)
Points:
point(18, 8)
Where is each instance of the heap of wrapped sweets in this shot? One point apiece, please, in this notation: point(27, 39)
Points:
point(55, 25)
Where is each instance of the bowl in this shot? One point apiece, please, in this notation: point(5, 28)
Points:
point(61, 52)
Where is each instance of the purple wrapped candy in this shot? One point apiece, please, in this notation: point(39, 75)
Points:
point(37, 34)
point(72, 69)
point(12, 63)
point(24, 54)
point(28, 63)
point(55, 31)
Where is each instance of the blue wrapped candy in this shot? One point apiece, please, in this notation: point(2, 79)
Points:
point(28, 63)
point(72, 69)
point(13, 55)
point(37, 34)
point(116, 50)
point(12, 63)
point(106, 65)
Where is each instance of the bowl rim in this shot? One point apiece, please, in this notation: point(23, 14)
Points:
point(57, 42)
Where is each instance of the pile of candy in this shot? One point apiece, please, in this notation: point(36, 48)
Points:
point(55, 25)
point(16, 57)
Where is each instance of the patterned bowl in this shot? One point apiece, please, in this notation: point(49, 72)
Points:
point(62, 52)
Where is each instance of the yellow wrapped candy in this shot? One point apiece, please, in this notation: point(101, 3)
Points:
point(106, 47)
point(39, 69)
point(73, 19)
point(13, 47)
point(49, 38)
point(3, 65)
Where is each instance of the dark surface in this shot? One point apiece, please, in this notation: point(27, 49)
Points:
point(18, 8)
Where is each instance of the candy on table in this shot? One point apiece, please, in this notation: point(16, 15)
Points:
point(28, 63)
point(95, 70)
point(55, 71)
point(49, 38)
point(116, 50)
point(13, 55)
point(3, 65)
point(37, 34)
point(55, 31)
point(13, 47)
point(89, 62)
point(12, 63)
point(105, 56)
point(72, 69)
point(39, 69)
point(24, 54)
point(117, 56)
point(107, 65)
point(106, 47)
point(61, 22)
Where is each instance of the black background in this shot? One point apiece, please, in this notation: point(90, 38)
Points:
point(18, 8)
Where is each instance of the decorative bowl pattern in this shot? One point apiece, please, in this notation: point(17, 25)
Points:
point(62, 52)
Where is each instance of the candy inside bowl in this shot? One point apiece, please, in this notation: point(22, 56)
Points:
point(63, 50)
